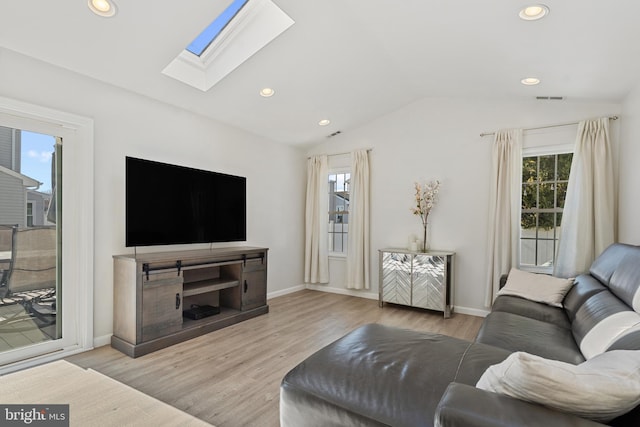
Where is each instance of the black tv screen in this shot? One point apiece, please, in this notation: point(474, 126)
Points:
point(168, 204)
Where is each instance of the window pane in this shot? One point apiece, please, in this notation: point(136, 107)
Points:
point(529, 169)
point(558, 226)
point(529, 196)
point(528, 225)
point(213, 30)
point(564, 166)
point(562, 193)
point(546, 196)
point(528, 252)
point(547, 168)
point(545, 252)
point(546, 226)
point(337, 242)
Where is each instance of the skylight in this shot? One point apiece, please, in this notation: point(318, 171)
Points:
point(245, 27)
point(208, 35)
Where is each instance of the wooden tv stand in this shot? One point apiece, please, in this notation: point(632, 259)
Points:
point(150, 292)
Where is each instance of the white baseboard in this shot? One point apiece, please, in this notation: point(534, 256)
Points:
point(351, 292)
point(282, 292)
point(470, 311)
point(354, 293)
point(103, 340)
point(323, 288)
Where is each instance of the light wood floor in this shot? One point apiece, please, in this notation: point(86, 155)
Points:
point(231, 377)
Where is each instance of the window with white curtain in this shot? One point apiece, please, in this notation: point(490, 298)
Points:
point(339, 183)
point(544, 188)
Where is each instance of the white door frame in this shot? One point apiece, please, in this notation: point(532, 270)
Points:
point(77, 229)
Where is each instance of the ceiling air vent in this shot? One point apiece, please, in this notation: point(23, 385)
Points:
point(550, 98)
point(338, 132)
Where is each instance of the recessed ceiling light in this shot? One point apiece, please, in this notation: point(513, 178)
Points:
point(534, 12)
point(106, 8)
point(324, 122)
point(267, 92)
point(530, 81)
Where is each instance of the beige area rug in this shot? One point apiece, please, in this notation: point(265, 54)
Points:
point(94, 399)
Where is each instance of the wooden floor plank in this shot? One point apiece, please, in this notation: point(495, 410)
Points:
point(231, 377)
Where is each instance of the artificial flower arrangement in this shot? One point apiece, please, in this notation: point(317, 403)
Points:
point(426, 199)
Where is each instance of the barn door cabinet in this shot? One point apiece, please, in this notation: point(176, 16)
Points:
point(152, 291)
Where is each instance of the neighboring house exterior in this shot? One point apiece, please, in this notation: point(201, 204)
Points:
point(37, 205)
point(10, 148)
point(20, 202)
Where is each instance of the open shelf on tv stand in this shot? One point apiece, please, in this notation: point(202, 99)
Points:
point(151, 291)
point(205, 286)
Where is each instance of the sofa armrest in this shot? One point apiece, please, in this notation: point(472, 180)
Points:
point(466, 406)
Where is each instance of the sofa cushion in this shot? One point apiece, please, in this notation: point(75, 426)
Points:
point(467, 406)
point(476, 360)
point(375, 372)
point(536, 287)
point(600, 389)
point(625, 281)
point(584, 287)
point(378, 375)
point(606, 263)
point(518, 333)
point(602, 320)
point(531, 309)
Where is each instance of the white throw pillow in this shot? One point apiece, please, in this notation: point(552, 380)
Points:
point(536, 287)
point(601, 389)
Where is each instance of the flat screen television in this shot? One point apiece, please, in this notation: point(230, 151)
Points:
point(169, 204)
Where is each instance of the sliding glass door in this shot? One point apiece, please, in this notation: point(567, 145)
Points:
point(31, 310)
point(46, 234)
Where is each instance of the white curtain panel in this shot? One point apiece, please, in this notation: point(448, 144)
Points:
point(589, 217)
point(358, 237)
point(504, 208)
point(316, 255)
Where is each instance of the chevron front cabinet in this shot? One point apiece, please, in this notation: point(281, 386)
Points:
point(417, 279)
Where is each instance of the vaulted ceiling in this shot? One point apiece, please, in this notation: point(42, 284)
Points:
point(349, 61)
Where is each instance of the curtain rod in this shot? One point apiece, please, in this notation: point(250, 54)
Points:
point(548, 126)
point(339, 154)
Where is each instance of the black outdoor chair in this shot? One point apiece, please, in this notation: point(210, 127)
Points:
point(31, 277)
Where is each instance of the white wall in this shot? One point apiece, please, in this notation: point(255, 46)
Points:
point(439, 139)
point(129, 124)
point(629, 202)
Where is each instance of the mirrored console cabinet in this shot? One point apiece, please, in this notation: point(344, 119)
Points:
point(417, 279)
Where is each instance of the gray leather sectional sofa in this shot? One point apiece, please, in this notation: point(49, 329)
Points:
point(378, 375)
